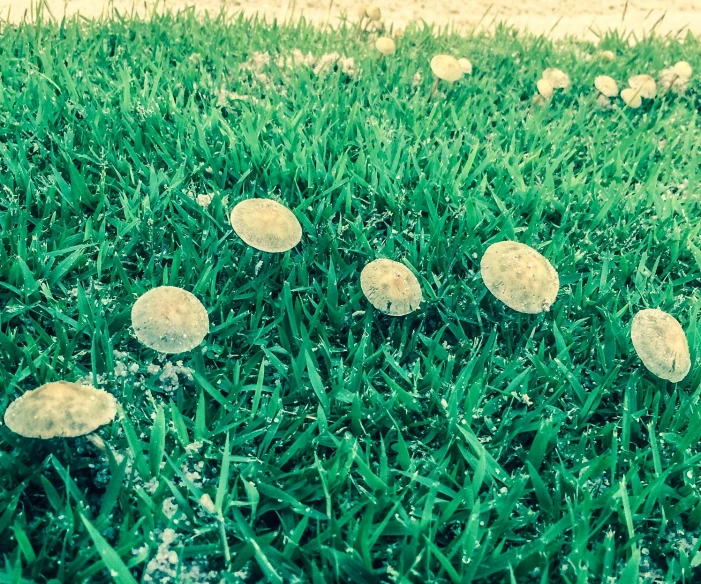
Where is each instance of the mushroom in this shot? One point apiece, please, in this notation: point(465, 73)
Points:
point(545, 89)
point(266, 225)
point(607, 55)
point(644, 85)
point(61, 409)
point(169, 320)
point(385, 45)
point(631, 97)
point(606, 85)
point(558, 79)
point(465, 65)
point(447, 68)
point(661, 344)
point(373, 13)
point(398, 33)
point(683, 69)
point(519, 276)
point(676, 77)
point(390, 287)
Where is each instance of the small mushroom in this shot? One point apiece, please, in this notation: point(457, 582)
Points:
point(558, 79)
point(60, 409)
point(545, 89)
point(607, 55)
point(447, 68)
point(373, 13)
point(266, 225)
point(169, 320)
point(465, 65)
point(398, 33)
point(519, 276)
point(606, 85)
point(362, 11)
point(683, 69)
point(661, 344)
point(390, 287)
point(631, 97)
point(644, 85)
point(385, 45)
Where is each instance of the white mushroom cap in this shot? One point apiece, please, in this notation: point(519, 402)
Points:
point(606, 85)
point(683, 69)
point(390, 287)
point(385, 45)
point(465, 65)
point(608, 55)
point(169, 320)
point(519, 276)
point(446, 67)
point(266, 225)
point(644, 85)
point(60, 409)
point(362, 11)
point(558, 79)
point(373, 12)
point(544, 88)
point(661, 344)
point(631, 97)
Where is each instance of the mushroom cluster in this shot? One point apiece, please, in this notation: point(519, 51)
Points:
point(639, 87)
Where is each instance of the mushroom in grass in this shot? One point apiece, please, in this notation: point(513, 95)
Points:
point(677, 77)
point(465, 65)
point(445, 68)
point(607, 88)
point(385, 46)
point(169, 320)
point(644, 85)
point(373, 13)
point(390, 287)
point(557, 78)
point(266, 225)
point(607, 55)
point(661, 344)
point(61, 409)
point(683, 69)
point(631, 97)
point(545, 89)
point(519, 276)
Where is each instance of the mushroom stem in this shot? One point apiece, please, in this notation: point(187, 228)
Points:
point(360, 26)
point(434, 89)
point(97, 442)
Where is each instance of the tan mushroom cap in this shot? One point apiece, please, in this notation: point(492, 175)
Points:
point(606, 85)
point(465, 65)
point(266, 225)
point(519, 276)
point(385, 45)
point(373, 12)
point(390, 287)
point(544, 88)
point(362, 11)
point(557, 78)
point(661, 344)
point(446, 67)
point(169, 320)
point(631, 97)
point(60, 409)
point(644, 85)
point(683, 69)
point(608, 55)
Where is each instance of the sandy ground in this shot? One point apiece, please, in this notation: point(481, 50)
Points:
point(557, 18)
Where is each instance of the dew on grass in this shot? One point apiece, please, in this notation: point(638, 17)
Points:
point(644, 85)
point(557, 78)
point(169, 320)
point(661, 344)
point(60, 409)
point(519, 276)
point(385, 45)
point(606, 85)
point(266, 225)
point(390, 287)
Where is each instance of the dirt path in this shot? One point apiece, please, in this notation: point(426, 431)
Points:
point(558, 18)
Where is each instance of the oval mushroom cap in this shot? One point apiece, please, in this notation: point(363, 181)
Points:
point(558, 79)
point(169, 320)
point(608, 55)
point(631, 97)
point(644, 85)
point(362, 11)
point(519, 276)
point(544, 88)
point(606, 85)
point(60, 409)
point(373, 12)
point(661, 344)
point(465, 65)
point(385, 45)
point(266, 225)
point(446, 67)
point(390, 287)
point(683, 69)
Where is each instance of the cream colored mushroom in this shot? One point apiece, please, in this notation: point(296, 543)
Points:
point(60, 410)
point(644, 85)
point(373, 12)
point(519, 276)
point(631, 97)
point(606, 85)
point(465, 65)
point(661, 344)
point(607, 55)
point(385, 45)
point(362, 11)
point(390, 287)
point(545, 89)
point(683, 69)
point(446, 67)
point(169, 320)
point(398, 33)
point(557, 78)
point(266, 225)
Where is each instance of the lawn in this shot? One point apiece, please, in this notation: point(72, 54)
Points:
point(312, 438)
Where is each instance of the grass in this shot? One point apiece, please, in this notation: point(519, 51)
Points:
point(318, 440)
